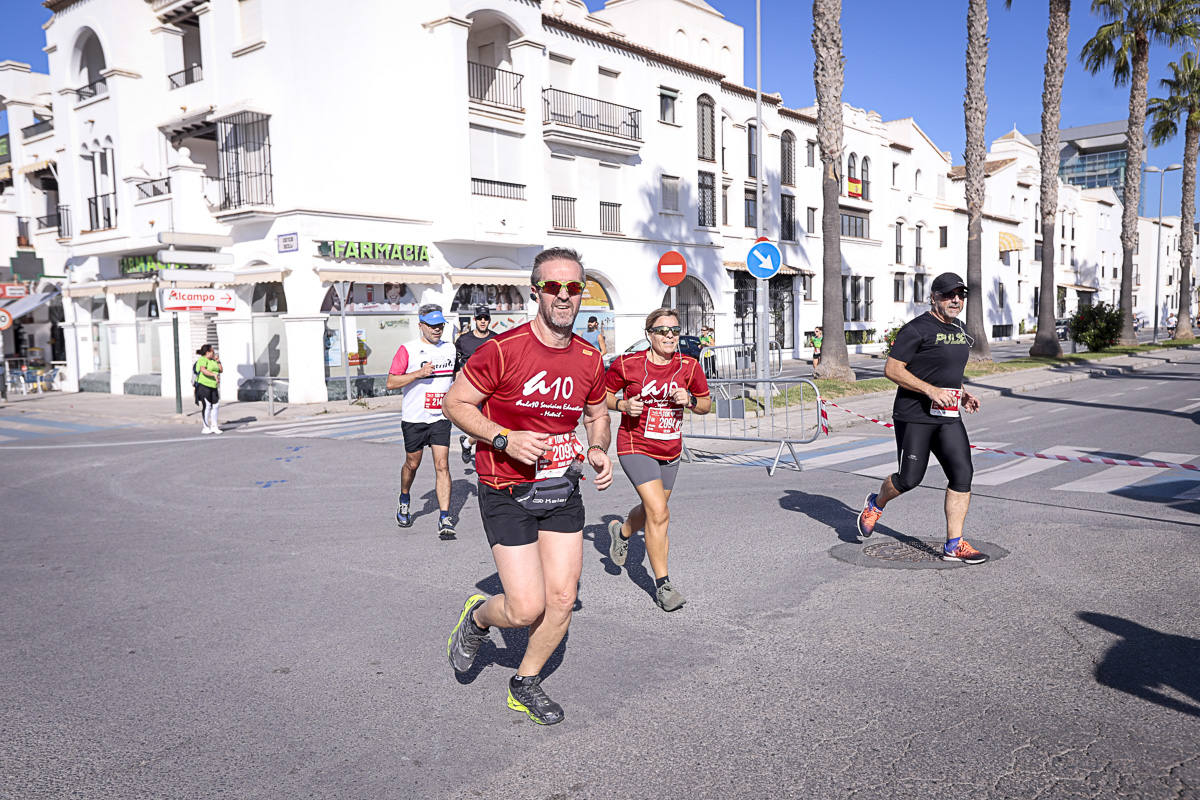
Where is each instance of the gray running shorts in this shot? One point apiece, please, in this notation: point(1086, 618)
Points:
point(643, 469)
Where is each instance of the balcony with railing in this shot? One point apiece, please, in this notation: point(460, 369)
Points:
point(562, 213)
point(502, 189)
point(186, 76)
point(37, 128)
point(94, 89)
point(102, 212)
point(493, 85)
point(147, 190)
point(64, 222)
point(573, 119)
point(47, 222)
point(610, 217)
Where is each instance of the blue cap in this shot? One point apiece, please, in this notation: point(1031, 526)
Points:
point(433, 318)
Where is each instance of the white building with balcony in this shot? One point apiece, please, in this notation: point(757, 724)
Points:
point(425, 152)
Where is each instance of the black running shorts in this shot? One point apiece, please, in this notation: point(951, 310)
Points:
point(419, 435)
point(506, 522)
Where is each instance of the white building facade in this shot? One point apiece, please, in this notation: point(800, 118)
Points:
point(444, 145)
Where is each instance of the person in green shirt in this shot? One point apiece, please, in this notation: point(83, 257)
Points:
point(708, 356)
point(817, 338)
point(207, 369)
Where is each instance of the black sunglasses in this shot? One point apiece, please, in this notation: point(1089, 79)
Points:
point(959, 293)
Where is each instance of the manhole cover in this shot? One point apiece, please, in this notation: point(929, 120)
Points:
point(907, 553)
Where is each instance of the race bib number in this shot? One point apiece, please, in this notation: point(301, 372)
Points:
point(564, 448)
point(663, 423)
point(950, 410)
point(433, 401)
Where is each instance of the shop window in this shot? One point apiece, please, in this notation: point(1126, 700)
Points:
point(269, 298)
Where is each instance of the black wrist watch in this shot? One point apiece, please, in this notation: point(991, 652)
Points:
point(693, 401)
point(500, 440)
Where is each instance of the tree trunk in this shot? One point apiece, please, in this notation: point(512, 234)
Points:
point(1136, 139)
point(1045, 343)
point(975, 113)
point(1187, 216)
point(828, 77)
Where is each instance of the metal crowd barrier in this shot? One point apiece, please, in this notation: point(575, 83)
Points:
point(786, 411)
point(738, 361)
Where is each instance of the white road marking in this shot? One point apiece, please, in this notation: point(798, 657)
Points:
point(1056, 410)
point(1020, 419)
point(1112, 478)
point(196, 438)
point(1187, 408)
point(1023, 467)
point(1140, 388)
point(885, 468)
point(328, 420)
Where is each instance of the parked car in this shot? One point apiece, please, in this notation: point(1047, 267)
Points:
point(688, 345)
point(1060, 327)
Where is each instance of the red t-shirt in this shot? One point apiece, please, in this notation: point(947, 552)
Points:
point(533, 387)
point(658, 431)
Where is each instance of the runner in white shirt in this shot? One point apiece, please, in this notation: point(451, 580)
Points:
point(424, 368)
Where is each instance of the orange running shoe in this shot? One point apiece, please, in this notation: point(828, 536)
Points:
point(869, 516)
point(963, 552)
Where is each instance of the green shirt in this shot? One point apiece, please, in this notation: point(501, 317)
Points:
point(212, 366)
point(816, 340)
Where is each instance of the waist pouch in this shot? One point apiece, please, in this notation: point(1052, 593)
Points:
point(547, 495)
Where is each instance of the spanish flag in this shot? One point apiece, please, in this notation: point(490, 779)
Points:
point(855, 187)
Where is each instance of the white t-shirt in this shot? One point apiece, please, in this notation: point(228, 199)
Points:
point(423, 398)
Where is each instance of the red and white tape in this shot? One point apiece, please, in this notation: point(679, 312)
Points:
point(1112, 462)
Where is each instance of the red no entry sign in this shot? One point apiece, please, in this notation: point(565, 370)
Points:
point(6, 319)
point(672, 268)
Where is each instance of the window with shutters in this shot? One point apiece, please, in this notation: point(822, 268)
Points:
point(670, 193)
point(706, 144)
point(812, 153)
point(787, 158)
point(751, 208)
point(787, 218)
point(707, 186)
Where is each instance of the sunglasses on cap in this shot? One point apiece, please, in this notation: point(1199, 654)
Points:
point(664, 330)
point(574, 288)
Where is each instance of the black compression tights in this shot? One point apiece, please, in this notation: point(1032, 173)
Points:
point(947, 441)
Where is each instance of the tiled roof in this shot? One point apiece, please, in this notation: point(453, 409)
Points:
point(990, 168)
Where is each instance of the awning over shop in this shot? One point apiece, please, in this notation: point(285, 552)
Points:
point(133, 286)
point(1010, 242)
point(23, 305)
point(740, 266)
point(258, 275)
point(86, 289)
point(5, 172)
point(379, 275)
point(1079, 288)
point(490, 277)
point(36, 166)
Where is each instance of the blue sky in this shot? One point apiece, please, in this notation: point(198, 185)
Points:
point(902, 59)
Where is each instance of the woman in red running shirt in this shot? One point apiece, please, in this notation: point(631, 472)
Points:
point(656, 385)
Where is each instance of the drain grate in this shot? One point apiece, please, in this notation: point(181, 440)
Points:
point(907, 552)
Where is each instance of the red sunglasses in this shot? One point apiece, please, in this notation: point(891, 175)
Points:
point(574, 288)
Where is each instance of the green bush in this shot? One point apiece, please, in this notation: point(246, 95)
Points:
point(1097, 326)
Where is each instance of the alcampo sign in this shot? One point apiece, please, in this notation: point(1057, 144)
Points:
point(373, 251)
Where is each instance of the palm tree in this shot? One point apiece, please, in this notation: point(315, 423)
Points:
point(1183, 100)
point(975, 112)
point(1046, 341)
point(828, 77)
point(1123, 45)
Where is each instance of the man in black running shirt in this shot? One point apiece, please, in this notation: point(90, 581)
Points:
point(466, 344)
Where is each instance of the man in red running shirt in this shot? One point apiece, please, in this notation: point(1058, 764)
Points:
point(521, 396)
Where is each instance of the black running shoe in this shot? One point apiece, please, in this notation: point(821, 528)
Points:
point(464, 642)
point(531, 698)
point(403, 518)
point(467, 452)
point(446, 528)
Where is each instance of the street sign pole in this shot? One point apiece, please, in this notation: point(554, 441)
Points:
point(343, 290)
point(761, 286)
point(175, 339)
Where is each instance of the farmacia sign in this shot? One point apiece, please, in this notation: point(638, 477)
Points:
point(373, 251)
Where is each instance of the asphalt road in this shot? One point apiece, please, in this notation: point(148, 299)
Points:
point(192, 616)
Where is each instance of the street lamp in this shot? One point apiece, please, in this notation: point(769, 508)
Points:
point(1162, 173)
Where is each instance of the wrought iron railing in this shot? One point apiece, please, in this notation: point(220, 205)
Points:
point(48, 221)
point(494, 85)
point(96, 87)
point(610, 217)
point(102, 211)
point(591, 114)
point(490, 188)
point(154, 188)
point(787, 228)
point(41, 126)
point(562, 213)
point(64, 222)
point(186, 76)
point(244, 160)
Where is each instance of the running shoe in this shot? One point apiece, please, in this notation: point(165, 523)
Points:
point(446, 528)
point(869, 516)
point(618, 548)
point(217, 430)
point(668, 597)
point(531, 698)
point(465, 443)
point(964, 553)
point(205, 430)
point(403, 518)
point(464, 642)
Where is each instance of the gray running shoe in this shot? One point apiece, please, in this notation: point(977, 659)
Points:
point(446, 528)
point(618, 548)
point(668, 597)
point(464, 642)
point(531, 698)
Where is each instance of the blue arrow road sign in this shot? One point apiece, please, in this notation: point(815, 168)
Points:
point(764, 260)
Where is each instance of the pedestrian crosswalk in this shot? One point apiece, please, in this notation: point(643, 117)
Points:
point(875, 457)
point(17, 427)
point(381, 426)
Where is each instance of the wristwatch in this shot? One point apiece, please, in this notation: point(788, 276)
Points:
point(693, 401)
point(500, 440)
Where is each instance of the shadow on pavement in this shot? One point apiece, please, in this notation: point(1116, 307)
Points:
point(600, 539)
point(459, 492)
point(1145, 662)
point(844, 519)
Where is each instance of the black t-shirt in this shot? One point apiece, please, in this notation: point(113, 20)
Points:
point(934, 351)
point(468, 343)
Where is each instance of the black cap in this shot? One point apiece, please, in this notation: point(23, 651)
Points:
point(947, 282)
point(482, 311)
point(593, 319)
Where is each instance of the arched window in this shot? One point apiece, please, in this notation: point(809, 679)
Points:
point(865, 173)
point(899, 242)
point(852, 167)
point(917, 244)
point(681, 44)
point(917, 181)
point(89, 64)
point(706, 147)
point(787, 158)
